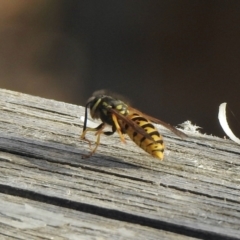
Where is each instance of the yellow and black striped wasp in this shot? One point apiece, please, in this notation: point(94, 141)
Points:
point(125, 120)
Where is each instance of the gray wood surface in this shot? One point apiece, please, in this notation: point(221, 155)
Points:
point(121, 190)
point(26, 219)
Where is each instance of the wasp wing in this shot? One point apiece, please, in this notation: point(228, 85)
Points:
point(158, 121)
point(131, 123)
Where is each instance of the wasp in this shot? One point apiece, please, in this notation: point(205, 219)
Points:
point(125, 120)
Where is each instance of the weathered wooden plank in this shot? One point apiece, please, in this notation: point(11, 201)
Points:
point(194, 191)
point(21, 218)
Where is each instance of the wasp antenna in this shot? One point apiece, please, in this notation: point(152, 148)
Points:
point(85, 119)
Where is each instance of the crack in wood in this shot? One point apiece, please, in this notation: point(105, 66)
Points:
point(114, 214)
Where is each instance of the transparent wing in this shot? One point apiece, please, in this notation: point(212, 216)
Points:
point(131, 123)
point(158, 121)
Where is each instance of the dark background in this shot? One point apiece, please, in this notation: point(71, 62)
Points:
point(176, 60)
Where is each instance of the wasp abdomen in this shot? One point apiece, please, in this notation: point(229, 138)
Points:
point(153, 146)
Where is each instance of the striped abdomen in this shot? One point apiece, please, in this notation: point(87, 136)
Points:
point(154, 147)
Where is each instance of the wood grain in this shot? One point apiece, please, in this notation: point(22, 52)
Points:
point(194, 192)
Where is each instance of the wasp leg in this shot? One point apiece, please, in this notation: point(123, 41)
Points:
point(98, 128)
point(109, 133)
point(98, 131)
point(118, 128)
